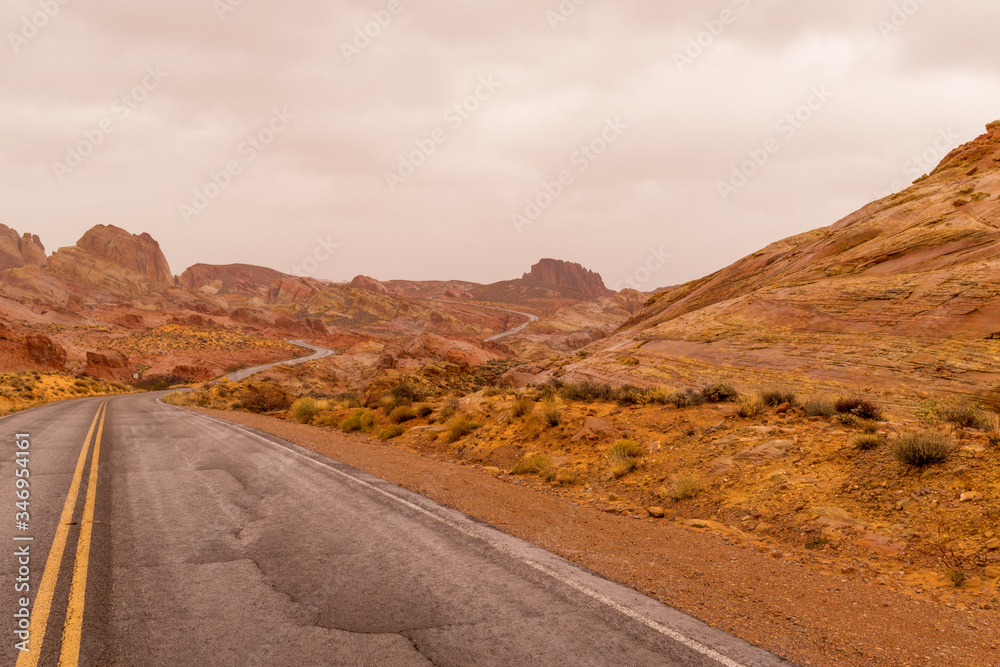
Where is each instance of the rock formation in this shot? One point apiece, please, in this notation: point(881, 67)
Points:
point(370, 284)
point(29, 353)
point(567, 274)
point(17, 251)
point(108, 365)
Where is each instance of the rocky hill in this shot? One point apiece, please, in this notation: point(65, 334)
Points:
point(17, 251)
point(567, 274)
point(905, 291)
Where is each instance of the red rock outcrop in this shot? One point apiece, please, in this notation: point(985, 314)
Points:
point(108, 365)
point(430, 347)
point(568, 274)
point(17, 251)
point(193, 373)
point(29, 353)
point(238, 279)
point(370, 284)
point(289, 290)
point(113, 262)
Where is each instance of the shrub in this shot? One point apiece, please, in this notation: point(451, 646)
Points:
point(359, 420)
point(566, 477)
point(586, 391)
point(750, 407)
point(552, 414)
point(449, 409)
point(459, 427)
point(866, 441)
point(523, 407)
point(684, 488)
point(532, 464)
point(967, 415)
point(305, 410)
point(402, 414)
point(686, 398)
point(391, 432)
point(957, 577)
point(921, 448)
point(425, 411)
point(720, 393)
point(624, 457)
point(261, 397)
point(817, 543)
point(775, 398)
point(817, 408)
point(859, 407)
point(629, 394)
point(405, 393)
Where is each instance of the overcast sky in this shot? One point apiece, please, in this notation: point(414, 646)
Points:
point(121, 112)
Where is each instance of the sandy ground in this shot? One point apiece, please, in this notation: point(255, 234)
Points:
point(808, 617)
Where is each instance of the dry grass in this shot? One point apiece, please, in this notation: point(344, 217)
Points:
point(683, 488)
point(523, 407)
point(624, 457)
point(391, 432)
point(305, 410)
point(920, 449)
point(458, 427)
point(750, 407)
point(532, 464)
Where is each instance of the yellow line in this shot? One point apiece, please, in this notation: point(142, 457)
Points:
point(69, 656)
point(47, 587)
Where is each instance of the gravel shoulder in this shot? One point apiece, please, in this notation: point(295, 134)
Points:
point(807, 617)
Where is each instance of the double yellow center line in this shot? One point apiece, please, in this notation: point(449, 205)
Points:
point(69, 655)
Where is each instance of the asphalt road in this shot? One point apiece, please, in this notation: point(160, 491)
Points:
point(318, 353)
point(200, 542)
point(505, 334)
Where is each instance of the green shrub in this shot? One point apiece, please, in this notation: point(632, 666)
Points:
point(629, 394)
point(532, 464)
point(921, 448)
point(359, 420)
point(817, 408)
point(391, 432)
point(402, 414)
point(459, 427)
point(720, 393)
point(305, 410)
point(523, 407)
point(586, 392)
point(405, 393)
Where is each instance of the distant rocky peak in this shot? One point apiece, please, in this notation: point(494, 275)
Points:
point(567, 274)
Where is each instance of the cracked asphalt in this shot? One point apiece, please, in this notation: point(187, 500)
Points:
point(216, 545)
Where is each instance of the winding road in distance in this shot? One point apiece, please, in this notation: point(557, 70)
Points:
point(517, 329)
point(162, 537)
point(318, 353)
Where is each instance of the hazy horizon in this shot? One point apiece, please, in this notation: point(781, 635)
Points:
point(411, 142)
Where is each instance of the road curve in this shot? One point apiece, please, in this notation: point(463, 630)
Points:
point(318, 353)
point(517, 329)
point(213, 544)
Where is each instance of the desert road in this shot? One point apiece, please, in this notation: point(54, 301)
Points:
point(161, 537)
point(318, 353)
point(505, 334)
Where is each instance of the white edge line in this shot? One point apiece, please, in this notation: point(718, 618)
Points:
point(648, 622)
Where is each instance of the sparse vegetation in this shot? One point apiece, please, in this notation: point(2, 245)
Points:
point(720, 393)
point(523, 407)
point(391, 432)
point(866, 441)
point(750, 406)
point(552, 414)
point(305, 410)
point(686, 398)
point(403, 414)
point(966, 415)
point(458, 427)
point(359, 420)
point(957, 577)
point(449, 409)
point(532, 464)
point(817, 408)
point(624, 457)
point(816, 543)
point(263, 397)
point(774, 398)
point(684, 488)
point(919, 449)
point(862, 408)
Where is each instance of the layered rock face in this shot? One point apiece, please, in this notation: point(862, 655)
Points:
point(29, 353)
point(567, 274)
point(907, 285)
point(17, 251)
point(229, 279)
point(370, 284)
point(108, 365)
point(111, 261)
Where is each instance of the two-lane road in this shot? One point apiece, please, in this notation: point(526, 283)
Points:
point(318, 353)
point(212, 544)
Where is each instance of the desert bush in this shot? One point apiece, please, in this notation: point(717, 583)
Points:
point(967, 415)
point(523, 407)
point(686, 398)
point(532, 464)
point(424, 411)
point(921, 448)
point(449, 409)
point(403, 414)
point(458, 427)
point(861, 408)
point(261, 397)
point(629, 394)
point(552, 414)
point(405, 393)
point(750, 406)
point(848, 419)
point(391, 432)
point(328, 419)
point(624, 457)
point(720, 393)
point(684, 488)
point(866, 441)
point(773, 398)
point(359, 420)
point(586, 391)
point(305, 410)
